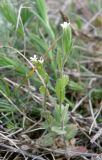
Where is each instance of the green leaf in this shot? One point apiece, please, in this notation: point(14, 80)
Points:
point(60, 87)
point(75, 86)
point(46, 140)
point(67, 39)
point(58, 130)
point(42, 72)
point(61, 114)
point(57, 115)
point(71, 131)
point(59, 61)
point(42, 90)
point(64, 114)
point(48, 117)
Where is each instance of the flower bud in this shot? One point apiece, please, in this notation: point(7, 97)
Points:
point(67, 38)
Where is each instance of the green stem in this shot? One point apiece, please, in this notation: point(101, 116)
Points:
point(45, 96)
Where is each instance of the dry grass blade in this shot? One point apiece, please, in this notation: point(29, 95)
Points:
point(10, 140)
point(96, 136)
point(24, 153)
point(16, 106)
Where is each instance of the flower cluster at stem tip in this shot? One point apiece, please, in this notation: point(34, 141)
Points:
point(65, 25)
point(34, 59)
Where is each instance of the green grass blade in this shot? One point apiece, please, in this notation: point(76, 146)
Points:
point(42, 16)
point(6, 107)
point(41, 6)
point(13, 63)
point(8, 11)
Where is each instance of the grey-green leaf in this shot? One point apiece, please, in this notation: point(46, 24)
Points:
point(60, 88)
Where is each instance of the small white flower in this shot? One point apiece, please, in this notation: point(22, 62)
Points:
point(65, 25)
point(34, 59)
point(41, 60)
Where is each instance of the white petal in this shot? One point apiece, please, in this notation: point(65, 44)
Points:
point(41, 60)
point(34, 58)
point(31, 58)
point(65, 25)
